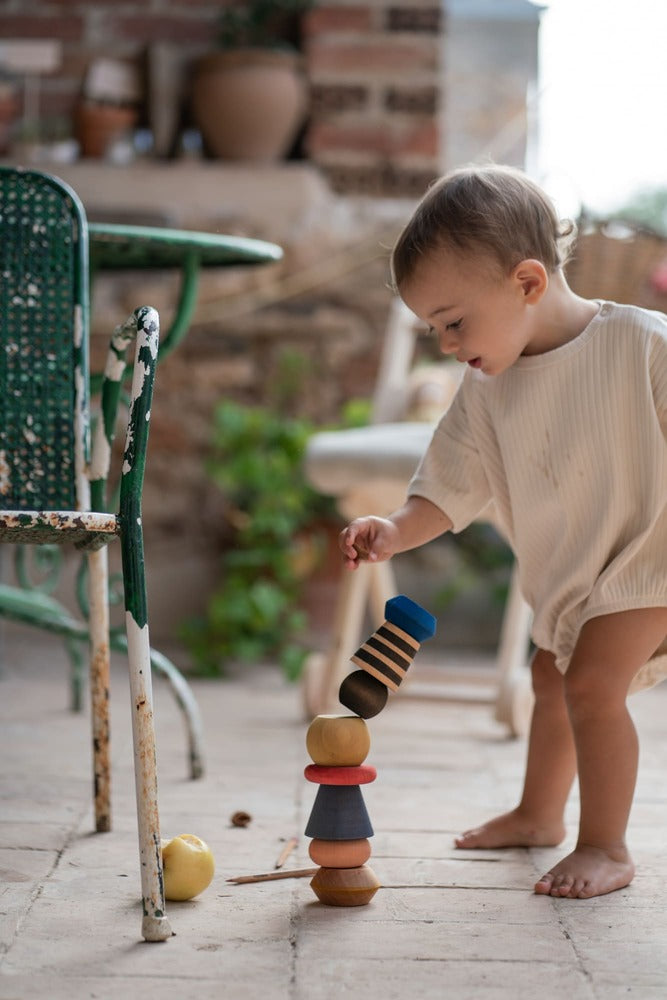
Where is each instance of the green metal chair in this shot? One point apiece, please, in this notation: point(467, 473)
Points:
point(53, 487)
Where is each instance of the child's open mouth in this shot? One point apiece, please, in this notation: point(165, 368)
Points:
point(475, 362)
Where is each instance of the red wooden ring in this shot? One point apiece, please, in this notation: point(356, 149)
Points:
point(323, 774)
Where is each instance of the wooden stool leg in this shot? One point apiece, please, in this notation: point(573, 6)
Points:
point(382, 588)
point(99, 685)
point(514, 694)
point(324, 673)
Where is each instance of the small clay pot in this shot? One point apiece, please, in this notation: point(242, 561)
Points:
point(98, 125)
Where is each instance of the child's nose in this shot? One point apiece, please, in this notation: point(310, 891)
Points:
point(449, 342)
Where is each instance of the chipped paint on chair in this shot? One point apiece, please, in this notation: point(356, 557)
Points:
point(53, 491)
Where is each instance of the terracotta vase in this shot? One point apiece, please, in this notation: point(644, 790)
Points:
point(249, 104)
point(97, 125)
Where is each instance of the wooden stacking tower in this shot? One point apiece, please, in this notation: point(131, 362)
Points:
point(338, 745)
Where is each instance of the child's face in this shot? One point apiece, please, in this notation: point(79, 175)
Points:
point(478, 314)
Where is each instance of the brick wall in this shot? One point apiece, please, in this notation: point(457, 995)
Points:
point(88, 30)
point(373, 68)
point(397, 91)
point(374, 133)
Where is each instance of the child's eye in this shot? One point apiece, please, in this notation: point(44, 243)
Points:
point(456, 325)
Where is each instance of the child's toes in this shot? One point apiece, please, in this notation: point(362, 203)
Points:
point(543, 886)
point(582, 889)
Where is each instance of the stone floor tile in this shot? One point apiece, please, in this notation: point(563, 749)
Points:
point(447, 923)
point(338, 976)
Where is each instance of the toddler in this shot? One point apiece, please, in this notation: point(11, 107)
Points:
point(560, 422)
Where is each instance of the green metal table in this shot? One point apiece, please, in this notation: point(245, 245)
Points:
point(115, 247)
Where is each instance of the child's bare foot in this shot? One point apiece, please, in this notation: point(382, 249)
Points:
point(512, 829)
point(586, 872)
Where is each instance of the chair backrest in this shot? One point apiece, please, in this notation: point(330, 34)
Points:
point(44, 316)
point(401, 392)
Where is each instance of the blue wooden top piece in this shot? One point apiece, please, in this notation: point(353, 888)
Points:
point(411, 617)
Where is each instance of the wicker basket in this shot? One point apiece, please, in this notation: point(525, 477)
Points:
point(619, 261)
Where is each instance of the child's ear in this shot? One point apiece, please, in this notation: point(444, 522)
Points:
point(531, 276)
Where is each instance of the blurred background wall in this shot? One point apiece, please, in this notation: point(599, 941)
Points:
point(395, 94)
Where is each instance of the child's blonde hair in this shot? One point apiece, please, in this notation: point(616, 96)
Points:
point(495, 210)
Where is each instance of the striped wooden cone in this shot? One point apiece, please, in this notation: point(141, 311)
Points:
point(389, 652)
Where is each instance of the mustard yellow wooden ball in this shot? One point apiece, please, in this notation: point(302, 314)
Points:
point(340, 740)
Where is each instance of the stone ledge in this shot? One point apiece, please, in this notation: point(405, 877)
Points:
point(273, 199)
point(286, 203)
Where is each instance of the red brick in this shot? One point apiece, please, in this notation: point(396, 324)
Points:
point(179, 6)
point(379, 179)
point(77, 3)
point(329, 20)
point(336, 98)
point(414, 100)
point(368, 58)
point(426, 19)
point(377, 138)
point(161, 29)
point(57, 106)
point(66, 27)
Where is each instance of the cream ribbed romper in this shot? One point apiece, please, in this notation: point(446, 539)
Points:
point(571, 448)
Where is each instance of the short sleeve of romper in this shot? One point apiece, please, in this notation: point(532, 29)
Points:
point(570, 446)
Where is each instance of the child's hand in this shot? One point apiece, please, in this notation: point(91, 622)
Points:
point(368, 538)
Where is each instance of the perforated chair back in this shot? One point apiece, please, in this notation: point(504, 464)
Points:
point(43, 344)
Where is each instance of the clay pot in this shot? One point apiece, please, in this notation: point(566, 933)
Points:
point(98, 125)
point(249, 104)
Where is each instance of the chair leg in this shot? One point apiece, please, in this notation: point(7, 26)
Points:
point(185, 699)
point(155, 926)
point(99, 685)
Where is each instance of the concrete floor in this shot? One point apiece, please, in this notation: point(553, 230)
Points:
point(445, 924)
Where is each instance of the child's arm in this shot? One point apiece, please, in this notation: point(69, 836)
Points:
point(378, 538)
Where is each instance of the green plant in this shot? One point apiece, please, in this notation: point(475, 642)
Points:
point(259, 23)
point(648, 208)
point(255, 613)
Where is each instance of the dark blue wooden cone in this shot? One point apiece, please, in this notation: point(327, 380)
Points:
point(339, 813)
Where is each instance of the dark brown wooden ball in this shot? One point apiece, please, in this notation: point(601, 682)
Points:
point(363, 694)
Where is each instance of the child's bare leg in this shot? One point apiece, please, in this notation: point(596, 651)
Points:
point(550, 770)
point(610, 651)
